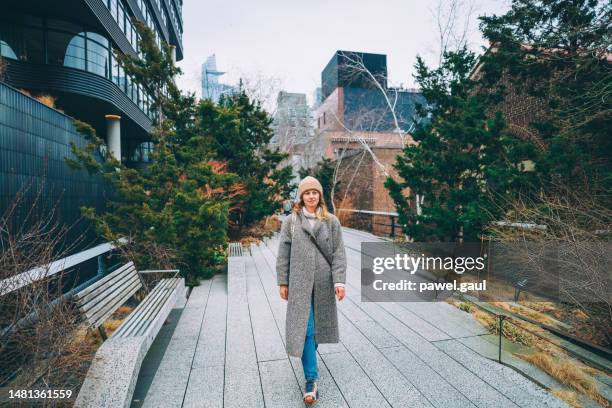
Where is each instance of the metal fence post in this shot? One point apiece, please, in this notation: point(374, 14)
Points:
point(501, 330)
point(392, 226)
point(101, 265)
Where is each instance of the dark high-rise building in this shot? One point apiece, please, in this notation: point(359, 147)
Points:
point(356, 96)
point(57, 64)
point(346, 69)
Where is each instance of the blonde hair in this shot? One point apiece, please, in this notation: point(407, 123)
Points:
point(321, 215)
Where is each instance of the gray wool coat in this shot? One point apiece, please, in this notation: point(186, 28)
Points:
point(300, 265)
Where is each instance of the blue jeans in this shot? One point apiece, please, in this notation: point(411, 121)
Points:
point(309, 355)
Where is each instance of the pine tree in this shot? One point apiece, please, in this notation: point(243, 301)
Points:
point(461, 155)
point(240, 131)
point(175, 211)
point(559, 51)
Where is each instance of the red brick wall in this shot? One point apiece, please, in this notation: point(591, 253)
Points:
point(367, 190)
point(520, 111)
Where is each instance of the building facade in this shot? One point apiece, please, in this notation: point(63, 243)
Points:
point(63, 52)
point(364, 124)
point(356, 96)
point(66, 50)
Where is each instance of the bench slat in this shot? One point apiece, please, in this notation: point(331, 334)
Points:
point(109, 294)
point(102, 292)
point(141, 308)
point(144, 308)
point(136, 322)
point(99, 318)
point(149, 318)
point(105, 279)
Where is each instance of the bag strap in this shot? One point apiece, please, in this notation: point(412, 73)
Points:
point(312, 239)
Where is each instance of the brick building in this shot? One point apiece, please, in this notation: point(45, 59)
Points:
point(355, 125)
point(519, 109)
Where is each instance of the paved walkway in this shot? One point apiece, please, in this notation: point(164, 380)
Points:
point(225, 348)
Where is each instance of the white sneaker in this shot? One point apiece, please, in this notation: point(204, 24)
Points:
point(312, 393)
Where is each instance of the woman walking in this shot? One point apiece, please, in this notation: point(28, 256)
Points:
point(311, 271)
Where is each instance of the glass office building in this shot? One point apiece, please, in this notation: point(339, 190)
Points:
point(66, 49)
point(211, 87)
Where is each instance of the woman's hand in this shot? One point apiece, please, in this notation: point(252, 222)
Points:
point(284, 292)
point(340, 293)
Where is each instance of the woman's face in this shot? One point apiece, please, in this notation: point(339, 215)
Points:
point(311, 198)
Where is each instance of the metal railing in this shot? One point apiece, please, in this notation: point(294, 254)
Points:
point(16, 282)
point(23, 279)
point(394, 215)
point(503, 316)
point(393, 225)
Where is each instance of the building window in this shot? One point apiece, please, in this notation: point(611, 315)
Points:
point(142, 152)
point(6, 50)
point(164, 18)
point(88, 51)
point(113, 8)
point(121, 79)
point(121, 17)
point(67, 45)
point(98, 55)
point(115, 73)
point(324, 118)
point(75, 53)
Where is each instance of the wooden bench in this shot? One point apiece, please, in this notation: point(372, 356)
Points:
point(113, 373)
point(100, 300)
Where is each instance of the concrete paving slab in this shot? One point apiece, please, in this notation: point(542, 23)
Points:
point(268, 342)
point(397, 389)
point(242, 386)
point(466, 382)
point(171, 378)
point(513, 385)
point(205, 388)
point(280, 386)
point(355, 385)
point(210, 349)
point(431, 384)
point(373, 332)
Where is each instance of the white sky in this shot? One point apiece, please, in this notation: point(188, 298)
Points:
point(288, 43)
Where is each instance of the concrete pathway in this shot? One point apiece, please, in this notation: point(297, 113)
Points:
point(225, 348)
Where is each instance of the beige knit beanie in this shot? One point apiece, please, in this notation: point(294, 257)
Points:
point(309, 183)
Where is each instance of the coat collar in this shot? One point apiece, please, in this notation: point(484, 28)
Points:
point(314, 231)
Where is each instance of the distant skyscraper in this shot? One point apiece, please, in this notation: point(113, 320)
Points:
point(317, 97)
point(293, 128)
point(211, 87)
point(293, 124)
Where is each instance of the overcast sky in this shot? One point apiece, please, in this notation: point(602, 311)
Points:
point(288, 43)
